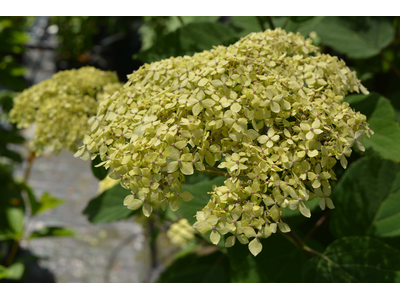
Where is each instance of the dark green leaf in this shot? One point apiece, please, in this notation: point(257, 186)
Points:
point(53, 232)
point(245, 25)
point(188, 39)
point(355, 259)
point(200, 199)
point(108, 206)
point(279, 261)
point(381, 119)
point(100, 172)
point(198, 269)
point(304, 25)
point(357, 37)
point(367, 200)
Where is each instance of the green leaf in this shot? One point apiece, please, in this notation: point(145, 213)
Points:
point(188, 39)
point(200, 197)
point(45, 203)
point(100, 172)
point(367, 200)
point(53, 232)
point(15, 271)
point(245, 25)
point(15, 218)
point(198, 269)
point(355, 259)
point(304, 25)
point(279, 261)
point(3, 272)
point(357, 37)
point(381, 119)
point(108, 206)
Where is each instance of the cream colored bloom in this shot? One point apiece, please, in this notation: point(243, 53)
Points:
point(267, 110)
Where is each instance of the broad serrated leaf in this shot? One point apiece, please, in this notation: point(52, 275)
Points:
point(367, 200)
point(355, 259)
point(357, 37)
point(108, 206)
point(381, 119)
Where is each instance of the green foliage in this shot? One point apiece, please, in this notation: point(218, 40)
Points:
point(188, 39)
point(193, 268)
point(53, 232)
point(280, 261)
point(200, 194)
point(12, 37)
point(368, 200)
point(107, 207)
point(99, 173)
point(355, 259)
point(357, 37)
point(382, 120)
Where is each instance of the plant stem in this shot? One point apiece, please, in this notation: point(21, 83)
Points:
point(294, 238)
point(317, 225)
point(15, 246)
point(260, 22)
point(181, 20)
point(271, 24)
point(286, 22)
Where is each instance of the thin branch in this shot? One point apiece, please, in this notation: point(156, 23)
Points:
point(317, 225)
point(261, 23)
point(286, 22)
point(271, 24)
point(28, 211)
point(181, 20)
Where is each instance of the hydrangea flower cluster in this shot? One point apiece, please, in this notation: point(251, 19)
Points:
point(181, 233)
point(61, 106)
point(266, 112)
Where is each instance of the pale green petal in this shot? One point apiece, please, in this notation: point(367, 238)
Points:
point(197, 108)
point(187, 168)
point(304, 210)
point(283, 227)
point(215, 237)
point(174, 203)
point(186, 196)
point(230, 241)
point(135, 204)
point(172, 166)
point(255, 246)
point(202, 226)
point(147, 209)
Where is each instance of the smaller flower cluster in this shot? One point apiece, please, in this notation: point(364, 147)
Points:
point(181, 233)
point(61, 106)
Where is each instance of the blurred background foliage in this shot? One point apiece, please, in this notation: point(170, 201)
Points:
point(359, 240)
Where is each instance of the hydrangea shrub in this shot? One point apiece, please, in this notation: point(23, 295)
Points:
point(266, 112)
point(61, 106)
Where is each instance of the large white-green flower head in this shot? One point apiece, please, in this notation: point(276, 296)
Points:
point(267, 112)
point(61, 106)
